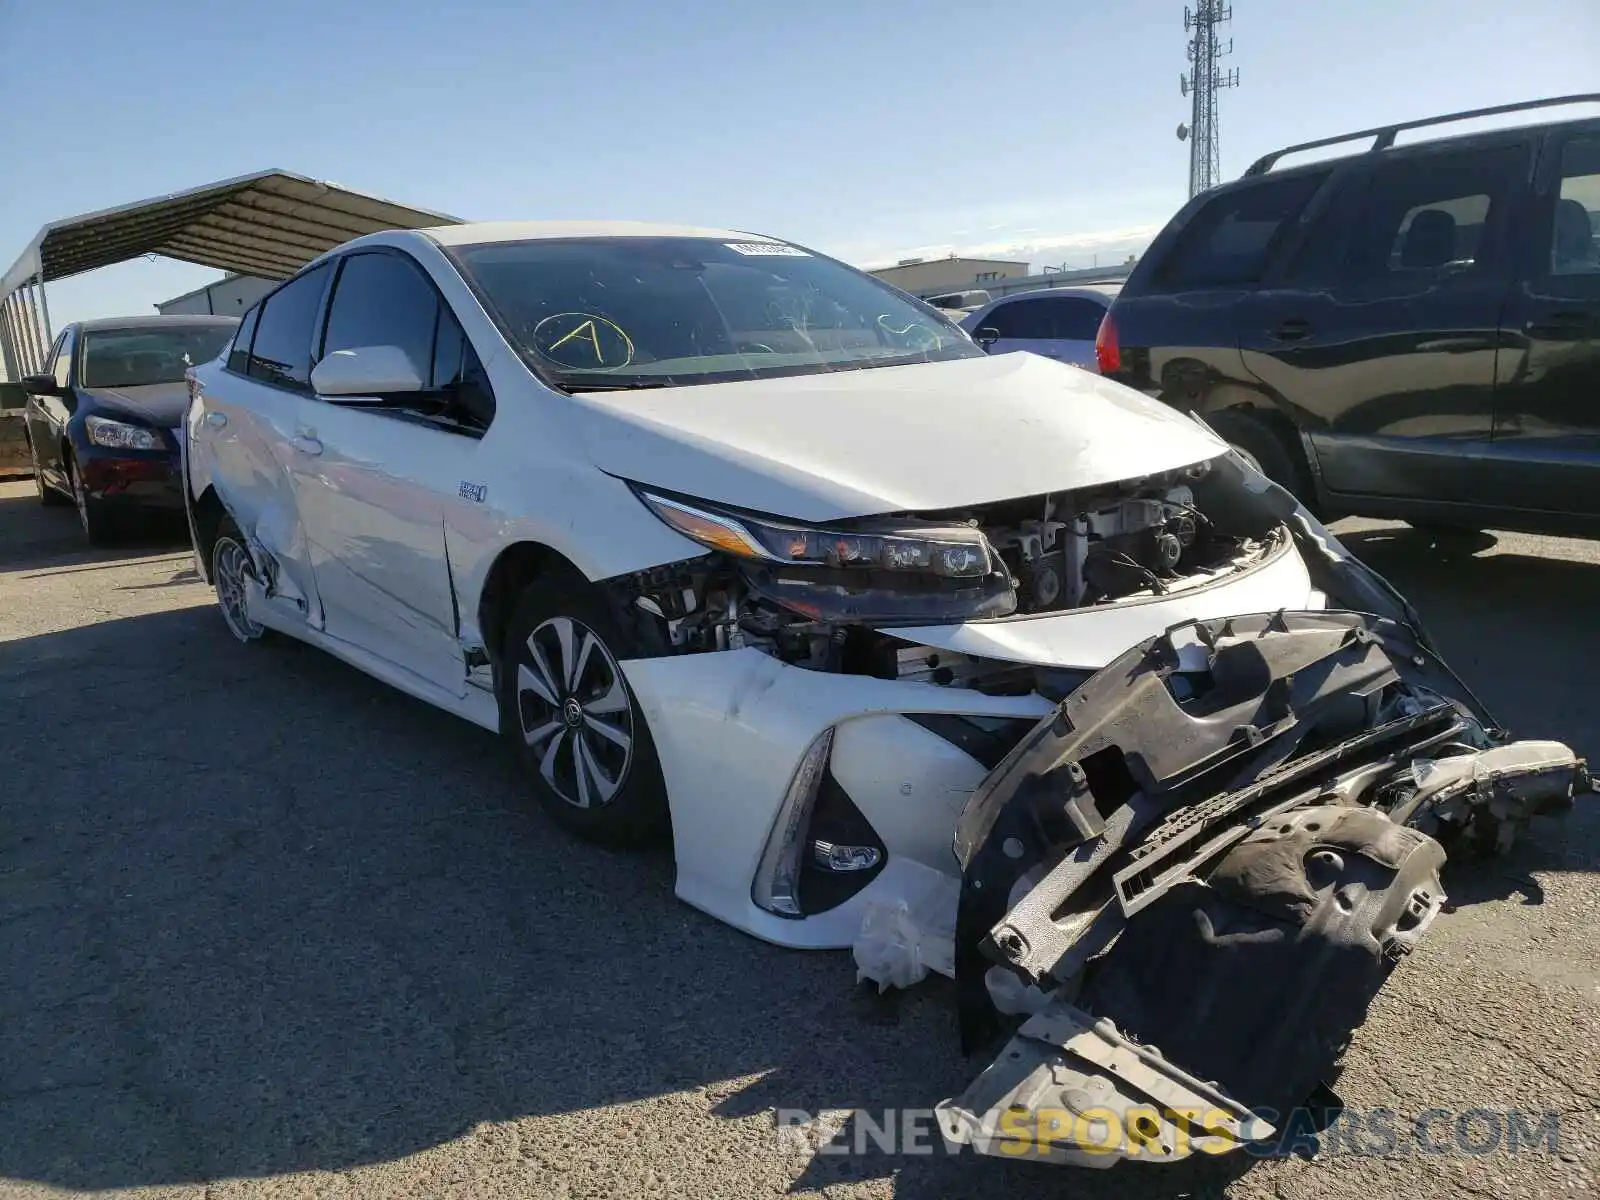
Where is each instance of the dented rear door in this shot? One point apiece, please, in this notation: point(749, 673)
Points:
point(246, 426)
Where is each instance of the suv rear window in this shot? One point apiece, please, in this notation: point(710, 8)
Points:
point(1228, 242)
point(1428, 212)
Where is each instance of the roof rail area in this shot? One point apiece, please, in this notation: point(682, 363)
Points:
point(1383, 136)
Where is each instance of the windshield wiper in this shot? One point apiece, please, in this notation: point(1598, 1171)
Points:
point(633, 385)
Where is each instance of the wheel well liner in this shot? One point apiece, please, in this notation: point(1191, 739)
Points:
point(208, 514)
point(517, 566)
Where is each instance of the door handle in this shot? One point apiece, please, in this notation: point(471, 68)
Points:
point(1293, 330)
point(216, 420)
point(307, 445)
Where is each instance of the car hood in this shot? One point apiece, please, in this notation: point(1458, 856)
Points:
point(158, 404)
point(889, 439)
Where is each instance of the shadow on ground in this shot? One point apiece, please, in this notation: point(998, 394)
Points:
point(1518, 629)
point(33, 537)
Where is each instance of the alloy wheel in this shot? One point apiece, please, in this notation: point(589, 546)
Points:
point(575, 712)
point(230, 568)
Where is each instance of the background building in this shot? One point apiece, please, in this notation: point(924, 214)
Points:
point(930, 276)
point(227, 297)
point(997, 277)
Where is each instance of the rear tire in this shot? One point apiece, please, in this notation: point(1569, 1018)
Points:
point(573, 722)
point(231, 566)
point(1265, 444)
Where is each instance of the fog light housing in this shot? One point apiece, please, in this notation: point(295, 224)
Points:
point(777, 883)
point(842, 859)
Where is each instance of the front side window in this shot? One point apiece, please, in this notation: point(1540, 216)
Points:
point(135, 357)
point(61, 359)
point(281, 351)
point(1428, 212)
point(1229, 241)
point(458, 371)
point(601, 313)
point(382, 300)
point(1575, 234)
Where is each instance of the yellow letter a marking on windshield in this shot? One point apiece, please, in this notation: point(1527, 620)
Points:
point(588, 327)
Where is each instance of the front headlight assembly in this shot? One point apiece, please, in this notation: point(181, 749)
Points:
point(884, 571)
point(118, 435)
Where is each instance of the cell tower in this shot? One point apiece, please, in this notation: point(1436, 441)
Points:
point(1203, 81)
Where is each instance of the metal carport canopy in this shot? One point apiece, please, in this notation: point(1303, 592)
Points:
point(269, 225)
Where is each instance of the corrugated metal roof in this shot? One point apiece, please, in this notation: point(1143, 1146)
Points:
point(268, 224)
point(484, 232)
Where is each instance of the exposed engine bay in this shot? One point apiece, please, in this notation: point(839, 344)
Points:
point(1183, 890)
point(1074, 550)
point(807, 596)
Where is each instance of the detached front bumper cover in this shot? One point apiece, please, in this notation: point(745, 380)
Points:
point(1205, 865)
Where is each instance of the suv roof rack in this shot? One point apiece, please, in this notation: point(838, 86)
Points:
point(1383, 135)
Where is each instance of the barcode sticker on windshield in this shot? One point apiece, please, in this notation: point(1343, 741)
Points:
point(766, 248)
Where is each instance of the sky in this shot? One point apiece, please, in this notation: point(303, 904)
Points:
point(1042, 130)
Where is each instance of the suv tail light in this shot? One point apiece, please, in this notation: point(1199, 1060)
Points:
point(1107, 353)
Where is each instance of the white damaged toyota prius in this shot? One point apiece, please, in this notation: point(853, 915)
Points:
point(976, 664)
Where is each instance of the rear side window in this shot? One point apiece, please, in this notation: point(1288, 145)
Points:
point(383, 300)
point(1230, 241)
point(1076, 319)
point(239, 352)
point(281, 352)
point(1020, 319)
point(1429, 212)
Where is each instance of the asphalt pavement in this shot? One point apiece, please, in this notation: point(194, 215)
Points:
point(268, 927)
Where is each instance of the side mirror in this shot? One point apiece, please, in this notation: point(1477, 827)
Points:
point(986, 336)
point(41, 385)
point(367, 371)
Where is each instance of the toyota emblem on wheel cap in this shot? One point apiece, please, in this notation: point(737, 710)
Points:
point(572, 712)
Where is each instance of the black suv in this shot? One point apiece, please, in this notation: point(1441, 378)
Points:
point(1411, 332)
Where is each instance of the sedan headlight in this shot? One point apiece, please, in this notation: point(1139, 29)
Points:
point(949, 552)
point(118, 435)
point(883, 572)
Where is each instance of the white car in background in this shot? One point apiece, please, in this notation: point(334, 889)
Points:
point(732, 542)
point(1058, 323)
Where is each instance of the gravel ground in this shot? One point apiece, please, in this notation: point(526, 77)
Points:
point(270, 928)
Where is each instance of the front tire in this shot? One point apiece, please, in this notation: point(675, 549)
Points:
point(48, 496)
point(572, 720)
point(97, 523)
